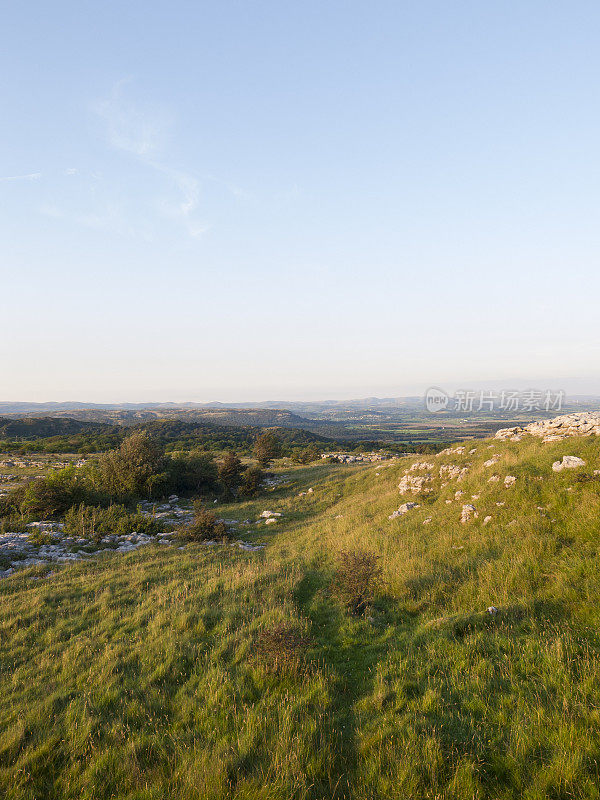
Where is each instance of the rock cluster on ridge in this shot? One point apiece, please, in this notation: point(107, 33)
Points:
point(584, 423)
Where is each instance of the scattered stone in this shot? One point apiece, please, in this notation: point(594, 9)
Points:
point(568, 462)
point(357, 458)
point(468, 512)
point(487, 519)
point(404, 509)
point(492, 610)
point(427, 521)
point(509, 481)
point(491, 461)
point(493, 478)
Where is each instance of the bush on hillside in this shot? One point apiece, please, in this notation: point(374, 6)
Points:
point(194, 472)
point(357, 577)
point(230, 473)
point(48, 497)
point(306, 455)
point(137, 469)
point(204, 526)
point(252, 482)
point(282, 648)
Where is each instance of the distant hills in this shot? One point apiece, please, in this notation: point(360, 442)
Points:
point(326, 408)
point(297, 406)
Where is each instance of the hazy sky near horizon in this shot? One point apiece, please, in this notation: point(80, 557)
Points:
point(255, 200)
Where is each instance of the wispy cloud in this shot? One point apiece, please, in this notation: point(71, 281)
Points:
point(142, 133)
point(130, 128)
point(32, 176)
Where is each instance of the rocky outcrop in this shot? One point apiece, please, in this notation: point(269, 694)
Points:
point(585, 423)
point(415, 484)
point(453, 471)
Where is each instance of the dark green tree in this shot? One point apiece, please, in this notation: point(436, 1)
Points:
point(252, 482)
point(137, 469)
point(266, 447)
point(230, 472)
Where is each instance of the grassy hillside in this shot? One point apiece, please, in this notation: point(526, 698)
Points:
point(143, 676)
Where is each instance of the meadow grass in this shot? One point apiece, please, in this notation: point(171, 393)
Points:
point(140, 676)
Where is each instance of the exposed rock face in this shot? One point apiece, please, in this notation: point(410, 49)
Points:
point(584, 423)
point(568, 462)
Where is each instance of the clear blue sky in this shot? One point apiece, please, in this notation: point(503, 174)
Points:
point(252, 200)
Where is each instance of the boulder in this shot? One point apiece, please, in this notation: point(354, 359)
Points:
point(568, 462)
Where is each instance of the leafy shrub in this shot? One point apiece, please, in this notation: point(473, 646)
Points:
point(192, 472)
point(50, 496)
point(13, 523)
point(137, 469)
point(94, 522)
point(204, 526)
point(306, 455)
point(356, 578)
point(230, 472)
point(39, 537)
point(252, 482)
point(282, 648)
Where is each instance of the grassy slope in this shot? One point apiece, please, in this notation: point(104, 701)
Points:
point(136, 676)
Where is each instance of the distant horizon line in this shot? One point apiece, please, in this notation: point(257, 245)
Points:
point(201, 403)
